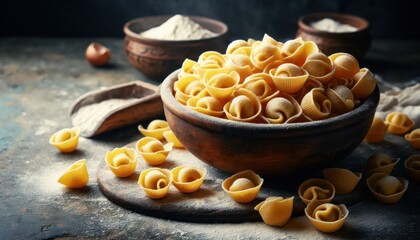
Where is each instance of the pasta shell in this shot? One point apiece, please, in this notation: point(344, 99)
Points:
point(273, 65)
point(343, 180)
point(155, 129)
point(214, 56)
point(235, 45)
point(276, 211)
point(244, 106)
point(187, 68)
point(348, 82)
point(380, 163)
point(155, 182)
point(307, 87)
point(241, 64)
point(208, 105)
point(412, 164)
point(122, 161)
point(76, 176)
point(203, 67)
point(296, 50)
point(282, 109)
point(376, 131)
point(222, 85)
point(341, 99)
point(316, 190)
point(243, 187)
point(289, 78)
point(365, 83)
point(187, 87)
point(171, 138)
point(262, 53)
point(399, 123)
point(327, 217)
point(319, 67)
point(316, 105)
point(268, 39)
point(153, 151)
point(188, 179)
point(346, 65)
point(387, 189)
point(66, 139)
point(413, 138)
point(261, 84)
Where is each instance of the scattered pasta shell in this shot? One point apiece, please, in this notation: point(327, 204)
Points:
point(413, 138)
point(412, 164)
point(376, 131)
point(76, 176)
point(365, 83)
point(327, 217)
point(282, 109)
point(243, 187)
point(155, 129)
point(275, 211)
point(155, 182)
point(343, 180)
point(380, 163)
point(122, 161)
point(399, 123)
point(346, 65)
point(387, 189)
point(66, 139)
point(188, 179)
point(170, 137)
point(153, 151)
point(244, 106)
point(288, 77)
point(316, 190)
point(316, 105)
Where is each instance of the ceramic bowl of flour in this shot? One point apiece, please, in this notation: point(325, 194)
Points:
point(169, 43)
point(336, 32)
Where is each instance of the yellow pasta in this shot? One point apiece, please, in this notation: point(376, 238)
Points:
point(316, 190)
point(413, 138)
point(376, 131)
point(188, 87)
point(412, 164)
point(187, 68)
point(276, 211)
point(155, 129)
point(208, 105)
point(122, 161)
point(341, 99)
point(171, 138)
point(380, 163)
point(282, 109)
point(343, 180)
point(188, 179)
point(239, 47)
point(214, 56)
point(296, 50)
point(76, 176)
point(66, 140)
point(387, 189)
point(244, 107)
point(241, 64)
point(262, 53)
point(327, 217)
point(316, 105)
point(289, 78)
point(319, 67)
point(155, 182)
point(243, 187)
point(262, 85)
point(365, 83)
point(222, 85)
point(152, 150)
point(346, 65)
point(399, 123)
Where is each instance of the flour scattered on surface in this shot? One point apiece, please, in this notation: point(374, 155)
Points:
point(178, 28)
point(46, 126)
point(329, 25)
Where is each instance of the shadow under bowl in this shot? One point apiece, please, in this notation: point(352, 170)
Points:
point(268, 149)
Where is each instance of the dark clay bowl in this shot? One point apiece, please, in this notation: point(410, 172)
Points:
point(268, 149)
point(356, 43)
point(158, 58)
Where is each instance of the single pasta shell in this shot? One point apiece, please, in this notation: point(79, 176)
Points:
point(155, 193)
point(241, 64)
point(247, 195)
point(325, 226)
point(299, 56)
point(263, 53)
point(69, 144)
point(412, 164)
point(341, 99)
point(214, 56)
point(188, 187)
point(319, 183)
point(124, 170)
point(273, 65)
point(235, 45)
point(315, 65)
point(187, 68)
point(386, 166)
point(343, 180)
point(204, 67)
point(155, 158)
point(376, 131)
point(76, 176)
point(365, 83)
point(276, 211)
point(222, 88)
point(346, 65)
point(170, 137)
point(399, 123)
point(155, 129)
point(289, 85)
point(193, 102)
point(307, 87)
point(187, 87)
point(413, 138)
point(316, 105)
point(254, 100)
point(294, 115)
point(389, 199)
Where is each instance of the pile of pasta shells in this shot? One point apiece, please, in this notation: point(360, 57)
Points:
point(267, 81)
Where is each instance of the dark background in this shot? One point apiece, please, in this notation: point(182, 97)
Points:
point(247, 18)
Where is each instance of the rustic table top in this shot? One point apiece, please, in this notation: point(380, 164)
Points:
point(39, 80)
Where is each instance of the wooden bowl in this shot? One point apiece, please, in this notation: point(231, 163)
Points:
point(268, 149)
point(158, 58)
point(356, 43)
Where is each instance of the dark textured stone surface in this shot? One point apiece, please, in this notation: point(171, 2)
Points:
point(39, 79)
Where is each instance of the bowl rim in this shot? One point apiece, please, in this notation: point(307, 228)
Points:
point(197, 19)
point(303, 23)
point(355, 116)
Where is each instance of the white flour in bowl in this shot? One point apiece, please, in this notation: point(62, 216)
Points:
point(330, 25)
point(178, 28)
